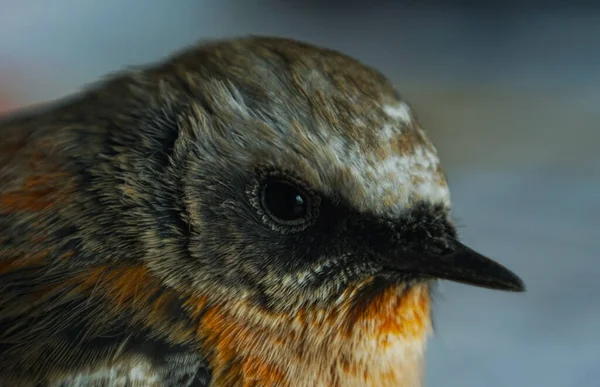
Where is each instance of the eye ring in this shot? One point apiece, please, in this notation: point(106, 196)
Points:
point(284, 203)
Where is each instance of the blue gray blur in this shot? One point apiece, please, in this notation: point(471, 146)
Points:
point(511, 97)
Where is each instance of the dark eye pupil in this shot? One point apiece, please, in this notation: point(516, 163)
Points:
point(285, 201)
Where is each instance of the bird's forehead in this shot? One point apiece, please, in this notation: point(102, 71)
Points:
point(379, 165)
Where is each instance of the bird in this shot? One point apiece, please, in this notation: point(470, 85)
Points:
point(249, 211)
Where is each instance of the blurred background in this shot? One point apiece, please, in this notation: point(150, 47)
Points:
point(510, 93)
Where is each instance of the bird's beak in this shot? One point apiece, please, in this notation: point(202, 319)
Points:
point(456, 263)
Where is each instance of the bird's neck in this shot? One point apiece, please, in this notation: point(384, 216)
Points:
point(383, 346)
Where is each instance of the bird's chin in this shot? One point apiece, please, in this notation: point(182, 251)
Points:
point(391, 301)
point(388, 283)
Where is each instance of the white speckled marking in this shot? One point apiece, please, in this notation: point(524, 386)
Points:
point(142, 373)
point(399, 111)
point(117, 376)
point(385, 181)
point(388, 132)
point(390, 183)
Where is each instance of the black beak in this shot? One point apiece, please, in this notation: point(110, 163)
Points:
point(454, 262)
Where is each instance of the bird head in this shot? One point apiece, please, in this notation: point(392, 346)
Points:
point(301, 173)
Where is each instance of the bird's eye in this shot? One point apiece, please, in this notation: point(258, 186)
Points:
point(284, 201)
point(286, 205)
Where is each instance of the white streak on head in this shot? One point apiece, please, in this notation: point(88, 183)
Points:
point(236, 101)
point(435, 193)
point(359, 122)
point(388, 132)
point(389, 183)
point(117, 375)
point(141, 373)
point(399, 111)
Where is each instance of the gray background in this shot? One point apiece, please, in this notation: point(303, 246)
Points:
point(509, 95)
